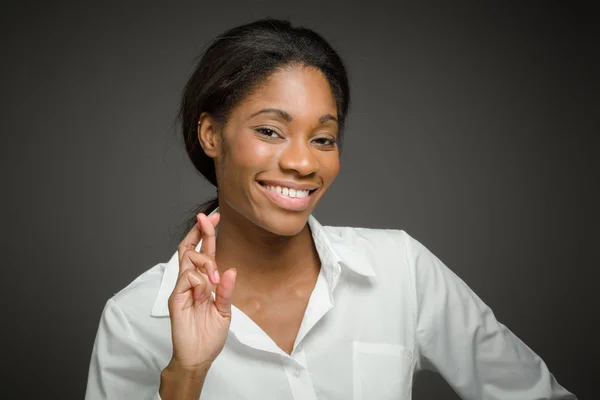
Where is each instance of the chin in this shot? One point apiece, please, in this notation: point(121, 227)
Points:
point(284, 223)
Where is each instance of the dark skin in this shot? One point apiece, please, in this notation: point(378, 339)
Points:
point(264, 262)
point(273, 292)
point(271, 247)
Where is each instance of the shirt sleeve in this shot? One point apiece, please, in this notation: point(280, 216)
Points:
point(120, 368)
point(459, 337)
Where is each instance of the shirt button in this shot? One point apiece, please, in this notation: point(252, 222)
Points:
point(297, 372)
point(299, 348)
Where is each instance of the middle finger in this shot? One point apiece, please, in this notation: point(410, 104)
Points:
point(201, 263)
point(209, 245)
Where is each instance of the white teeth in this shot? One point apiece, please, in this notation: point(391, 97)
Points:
point(292, 193)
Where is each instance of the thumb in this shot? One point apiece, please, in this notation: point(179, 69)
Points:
point(224, 292)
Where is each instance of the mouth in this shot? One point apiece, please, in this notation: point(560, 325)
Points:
point(296, 198)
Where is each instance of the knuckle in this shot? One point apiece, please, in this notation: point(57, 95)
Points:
point(210, 265)
point(189, 254)
point(183, 248)
point(209, 233)
point(189, 273)
point(199, 258)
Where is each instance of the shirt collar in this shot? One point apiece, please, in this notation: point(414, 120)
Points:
point(335, 250)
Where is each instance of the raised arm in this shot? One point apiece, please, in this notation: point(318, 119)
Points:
point(121, 367)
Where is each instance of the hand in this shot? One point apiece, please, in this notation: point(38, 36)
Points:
point(199, 324)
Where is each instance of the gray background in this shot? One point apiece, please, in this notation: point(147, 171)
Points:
point(473, 128)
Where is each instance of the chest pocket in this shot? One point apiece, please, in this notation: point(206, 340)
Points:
point(381, 371)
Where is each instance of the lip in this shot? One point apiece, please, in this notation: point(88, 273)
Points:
point(289, 184)
point(287, 203)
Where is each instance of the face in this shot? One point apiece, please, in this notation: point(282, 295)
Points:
point(277, 155)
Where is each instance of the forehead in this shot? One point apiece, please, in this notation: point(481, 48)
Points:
point(299, 90)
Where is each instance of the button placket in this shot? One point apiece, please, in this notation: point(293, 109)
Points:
point(299, 362)
point(299, 379)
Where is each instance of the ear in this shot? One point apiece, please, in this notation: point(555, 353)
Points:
point(208, 135)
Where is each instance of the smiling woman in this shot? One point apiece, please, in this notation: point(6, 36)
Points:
point(265, 108)
point(273, 305)
point(276, 156)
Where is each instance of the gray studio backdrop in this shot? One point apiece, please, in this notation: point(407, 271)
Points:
point(471, 129)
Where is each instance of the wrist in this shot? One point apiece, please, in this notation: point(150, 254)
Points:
point(191, 372)
point(179, 382)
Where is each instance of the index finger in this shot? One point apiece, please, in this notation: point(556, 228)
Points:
point(189, 242)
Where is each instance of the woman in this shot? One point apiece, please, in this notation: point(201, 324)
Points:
point(272, 305)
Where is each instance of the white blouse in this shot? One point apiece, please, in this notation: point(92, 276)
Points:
point(383, 308)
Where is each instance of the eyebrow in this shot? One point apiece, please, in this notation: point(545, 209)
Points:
point(287, 117)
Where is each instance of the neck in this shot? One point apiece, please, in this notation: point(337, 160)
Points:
point(264, 260)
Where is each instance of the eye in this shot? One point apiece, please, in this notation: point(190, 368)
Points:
point(325, 141)
point(267, 132)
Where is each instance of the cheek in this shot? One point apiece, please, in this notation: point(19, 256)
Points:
point(252, 155)
point(330, 166)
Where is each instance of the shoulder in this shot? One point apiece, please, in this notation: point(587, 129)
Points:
point(370, 238)
point(385, 250)
point(142, 291)
point(127, 327)
point(132, 306)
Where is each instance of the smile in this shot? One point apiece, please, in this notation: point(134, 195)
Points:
point(289, 198)
point(289, 192)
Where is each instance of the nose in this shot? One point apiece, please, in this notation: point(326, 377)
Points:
point(298, 157)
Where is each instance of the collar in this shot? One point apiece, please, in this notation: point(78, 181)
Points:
point(335, 249)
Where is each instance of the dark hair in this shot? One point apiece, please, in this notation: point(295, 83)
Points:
point(238, 61)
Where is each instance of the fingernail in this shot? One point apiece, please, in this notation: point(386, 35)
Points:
point(216, 276)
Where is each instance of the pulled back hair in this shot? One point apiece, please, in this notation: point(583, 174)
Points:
point(237, 62)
